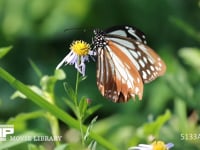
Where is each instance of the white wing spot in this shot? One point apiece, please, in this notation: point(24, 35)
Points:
point(144, 75)
point(134, 54)
point(157, 68)
point(145, 60)
point(142, 63)
point(148, 71)
point(138, 53)
point(138, 43)
point(152, 68)
point(150, 60)
point(142, 47)
point(159, 64)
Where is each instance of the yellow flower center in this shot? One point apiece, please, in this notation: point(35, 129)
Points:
point(159, 145)
point(79, 47)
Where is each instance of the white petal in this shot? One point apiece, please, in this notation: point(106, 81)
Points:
point(69, 59)
point(62, 62)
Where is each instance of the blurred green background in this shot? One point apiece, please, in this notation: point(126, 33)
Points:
point(35, 29)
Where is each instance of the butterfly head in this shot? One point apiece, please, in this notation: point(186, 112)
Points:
point(99, 39)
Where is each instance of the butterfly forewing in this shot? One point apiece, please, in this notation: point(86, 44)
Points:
point(125, 62)
point(147, 62)
point(151, 64)
point(127, 31)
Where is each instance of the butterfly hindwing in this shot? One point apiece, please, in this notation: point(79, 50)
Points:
point(115, 79)
point(125, 63)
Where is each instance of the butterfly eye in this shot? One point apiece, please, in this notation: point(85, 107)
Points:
point(125, 63)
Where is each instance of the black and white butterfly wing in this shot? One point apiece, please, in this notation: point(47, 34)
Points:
point(127, 32)
point(125, 62)
point(116, 80)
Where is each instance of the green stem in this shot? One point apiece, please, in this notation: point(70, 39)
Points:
point(76, 89)
point(78, 112)
point(81, 129)
point(53, 121)
point(56, 111)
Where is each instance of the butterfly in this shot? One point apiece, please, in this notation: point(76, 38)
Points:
point(124, 62)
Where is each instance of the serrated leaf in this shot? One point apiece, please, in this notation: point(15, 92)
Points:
point(92, 145)
point(69, 90)
point(92, 110)
point(4, 51)
point(71, 105)
point(83, 106)
point(90, 127)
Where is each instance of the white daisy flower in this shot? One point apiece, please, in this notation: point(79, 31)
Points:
point(157, 145)
point(79, 54)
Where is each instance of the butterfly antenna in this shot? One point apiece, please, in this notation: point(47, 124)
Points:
point(75, 29)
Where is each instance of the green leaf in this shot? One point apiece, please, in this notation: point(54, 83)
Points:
point(92, 145)
point(69, 90)
point(154, 127)
point(71, 105)
point(59, 74)
point(83, 106)
point(90, 128)
point(92, 110)
point(25, 116)
point(180, 111)
point(54, 110)
point(191, 56)
point(82, 78)
point(19, 94)
point(20, 121)
point(48, 82)
point(4, 51)
point(35, 68)
point(187, 28)
point(179, 84)
point(61, 147)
